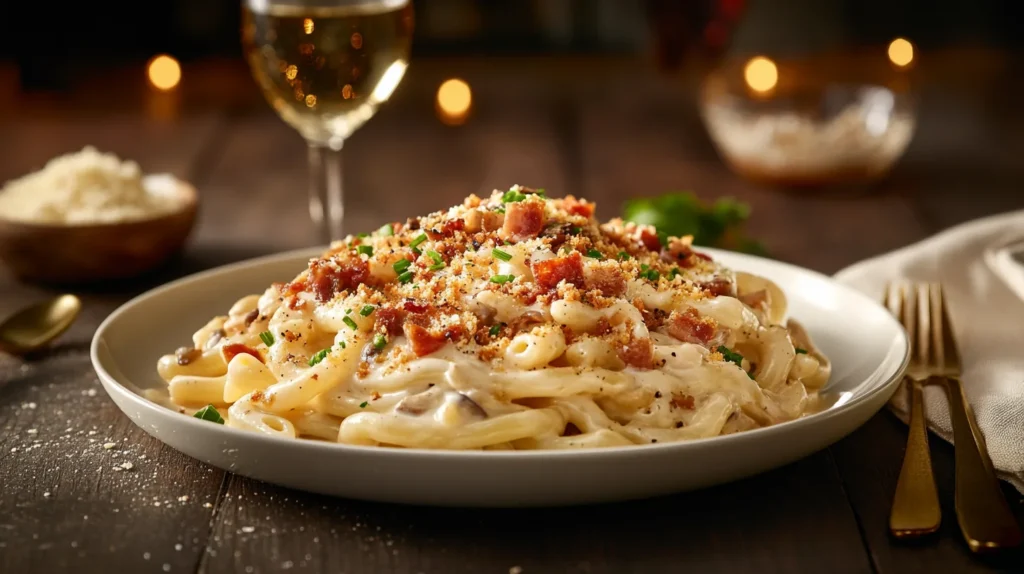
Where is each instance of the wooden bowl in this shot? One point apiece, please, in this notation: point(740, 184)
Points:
point(75, 254)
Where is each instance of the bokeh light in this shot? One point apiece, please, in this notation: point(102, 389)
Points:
point(901, 52)
point(454, 98)
point(164, 72)
point(761, 74)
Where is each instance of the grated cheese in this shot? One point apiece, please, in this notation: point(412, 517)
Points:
point(87, 187)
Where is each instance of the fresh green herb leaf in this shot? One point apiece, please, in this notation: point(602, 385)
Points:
point(495, 329)
point(500, 279)
point(435, 256)
point(512, 196)
point(386, 230)
point(623, 256)
point(436, 267)
point(500, 209)
point(800, 351)
point(501, 255)
point(718, 224)
point(541, 192)
point(319, 356)
point(675, 271)
point(366, 250)
point(575, 230)
point(731, 356)
point(363, 404)
point(363, 235)
point(341, 344)
point(351, 324)
point(416, 251)
point(595, 254)
point(405, 277)
point(367, 310)
point(209, 413)
point(348, 311)
point(267, 337)
point(652, 275)
point(401, 265)
point(418, 240)
point(379, 341)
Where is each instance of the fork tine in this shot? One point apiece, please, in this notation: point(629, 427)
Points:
point(924, 325)
point(950, 357)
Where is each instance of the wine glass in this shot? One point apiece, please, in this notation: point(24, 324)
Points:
point(325, 66)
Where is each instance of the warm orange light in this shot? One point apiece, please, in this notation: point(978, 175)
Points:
point(308, 25)
point(164, 72)
point(761, 74)
point(901, 52)
point(454, 99)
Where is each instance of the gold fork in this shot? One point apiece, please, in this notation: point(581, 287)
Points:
point(915, 506)
point(982, 511)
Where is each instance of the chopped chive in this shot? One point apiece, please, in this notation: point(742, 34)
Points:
point(512, 196)
point(731, 356)
point(435, 256)
point(363, 404)
point(342, 344)
point(653, 275)
point(416, 251)
point(379, 341)
point(386, 230)
point(366, 310)
point(418, 240)
point(495, 329)
point(209, 413)
point(800, 351)
point(351, 324)
point(501, 255)
point(436, 267)
point(540, 192)
point(405, 277)
point(348, 311)
point(319, 356)
point(499, 279)
point(401, 265)
point(267, 337)
point(366, 250)
point(595, 254)
point(623, 256)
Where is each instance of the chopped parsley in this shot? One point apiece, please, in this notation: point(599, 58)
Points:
point(575, 230)
point(379, 341)
point(362, 235)
point(501, 279)
point(648, 273)
point(435, 256)
point(366, 250)
point(731, 356)
point(800, 351)
point(351, 324)
point(319, 356)
point(267, 337)
point(341, 344)
point(418, 240)
point(401, 265)
point(595, 254)
point(436, 267)
point(675, 271)
point(367, 310)
point(623, 256)
point(363, 404)
point(495, 329)
point(512, 196)
point(501, 255)
point(386, 230)
point(405, 277)
point(209, 413)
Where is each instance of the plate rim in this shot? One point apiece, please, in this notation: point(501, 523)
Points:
point(112, 385)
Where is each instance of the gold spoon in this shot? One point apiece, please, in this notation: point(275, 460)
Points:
point(34, 326)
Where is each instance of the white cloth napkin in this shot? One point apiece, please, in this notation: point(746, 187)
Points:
point(984, 286)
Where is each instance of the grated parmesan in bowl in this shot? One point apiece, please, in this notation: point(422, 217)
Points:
point(87, 188)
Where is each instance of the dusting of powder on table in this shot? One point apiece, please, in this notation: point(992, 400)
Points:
point(88, 187)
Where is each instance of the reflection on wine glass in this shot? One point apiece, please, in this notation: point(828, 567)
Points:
point(325, 66)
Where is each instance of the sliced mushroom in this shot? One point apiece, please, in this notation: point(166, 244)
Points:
point(185, 355)
point(470, 407)
point(420, 403)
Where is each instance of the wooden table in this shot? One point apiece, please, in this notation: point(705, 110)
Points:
point(603, 129)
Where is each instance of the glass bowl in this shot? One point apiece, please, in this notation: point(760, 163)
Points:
point(811, 127)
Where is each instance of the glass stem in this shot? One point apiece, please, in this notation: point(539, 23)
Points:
point(326, 205)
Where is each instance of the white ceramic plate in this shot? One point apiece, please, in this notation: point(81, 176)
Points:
point(868, 349)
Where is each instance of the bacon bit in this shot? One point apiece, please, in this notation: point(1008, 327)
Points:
point(577, 207)
point(422, 341)
point(291, 336)
point(389, 320)
point(718, 286)
point(295, 303)
point(678, 252)
point(638, 353)
point(229, 351)
point(550, 272)
point(448, 228)
point(523, 220)
point(454, 333)
point(186, 355)
point(315, 377)
point(413, 306)
point(297, 286)
point(609, 281)
point(603, 327)
point(375, 395)
point(654, 318)
point(682, 401)
point(345, 273)
point(650, 239)
point(690, 327)
point(251, 316)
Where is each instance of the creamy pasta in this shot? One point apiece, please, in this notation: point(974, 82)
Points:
point(511, 322)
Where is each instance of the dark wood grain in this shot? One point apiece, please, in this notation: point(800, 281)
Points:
point(604, 129)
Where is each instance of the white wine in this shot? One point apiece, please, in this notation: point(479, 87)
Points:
point(326, 65)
